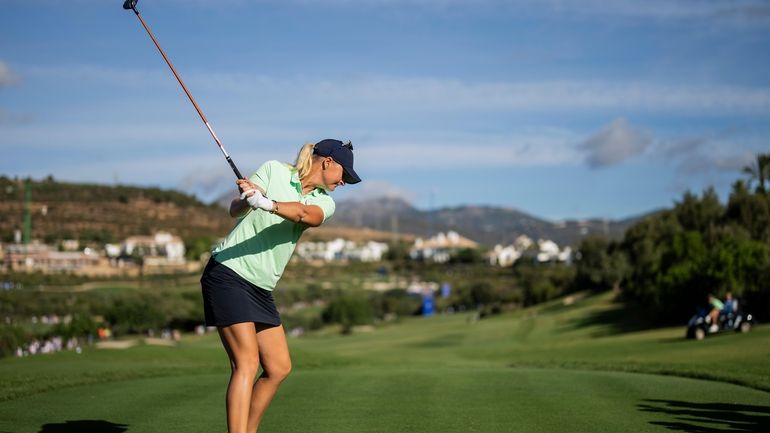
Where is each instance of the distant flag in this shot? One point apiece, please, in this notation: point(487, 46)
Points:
point(427, 303)
point(446, 290)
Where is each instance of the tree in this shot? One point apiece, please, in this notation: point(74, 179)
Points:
point(400, 303)
point(540, 282)
point(699, 214)
point(750, 211)
point(135, 315)
point(482, 293)
point(11, 337)
point(679, 256)
point(599, 264)
point(467, 255)
point(759, 171)
point(348, 311)
point(81, 325)
point(195, 247)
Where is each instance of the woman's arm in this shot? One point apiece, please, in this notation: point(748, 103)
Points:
point(297, 212)
point(239, 207)
point(293, 211)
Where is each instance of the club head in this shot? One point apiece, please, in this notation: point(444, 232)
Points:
point(130, 4)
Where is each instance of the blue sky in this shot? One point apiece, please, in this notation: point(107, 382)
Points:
point(563, 109)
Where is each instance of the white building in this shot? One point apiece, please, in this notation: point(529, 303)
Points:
point(37, 257)
point(369, 252)
point(544, 251)
point(523, 242)
point(548, 251)
point(504, 256)
point(440, 248)
point(112, 250)
point(162, 246)
point(341, 249)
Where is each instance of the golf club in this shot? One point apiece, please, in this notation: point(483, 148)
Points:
point(131, 4)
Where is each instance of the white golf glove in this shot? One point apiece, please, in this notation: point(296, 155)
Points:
point(256, 200)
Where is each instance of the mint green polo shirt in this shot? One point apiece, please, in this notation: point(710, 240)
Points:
point(261, 244)
point(716, 303)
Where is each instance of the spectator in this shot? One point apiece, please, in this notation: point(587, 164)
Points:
point(716, 307)
point(730, 304)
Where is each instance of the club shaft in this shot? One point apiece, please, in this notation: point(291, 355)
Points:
point(190, 96)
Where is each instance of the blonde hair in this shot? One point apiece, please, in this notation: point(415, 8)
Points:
point(304, 160)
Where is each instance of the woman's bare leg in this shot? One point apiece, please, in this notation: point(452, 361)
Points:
point(276, 365)
point(714, 314)
point(240, 341)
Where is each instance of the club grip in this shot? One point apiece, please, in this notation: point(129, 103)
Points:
point(235, 169)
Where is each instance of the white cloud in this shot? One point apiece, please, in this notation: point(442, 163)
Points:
point(10, 78)
point(725, 151)
point(414, 94)
point(375, 188)
point(184, 156)
point(717, 166)
point(696, 156)
point(207, 184)
point(13, 119)
point(681, 147)
point(455, 150)
point(662, 9)
point(7, 76)
point(89, 73)
point(399, 95)
point(615, 143)
point(395, 122)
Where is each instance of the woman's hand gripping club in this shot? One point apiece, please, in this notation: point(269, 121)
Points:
point(254, 195)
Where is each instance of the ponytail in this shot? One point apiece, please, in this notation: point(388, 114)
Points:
point(304, 160)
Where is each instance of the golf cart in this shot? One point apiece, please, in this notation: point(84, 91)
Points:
point(700, 324)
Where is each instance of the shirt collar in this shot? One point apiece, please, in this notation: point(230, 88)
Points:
point(298, 185)
point(295, 181)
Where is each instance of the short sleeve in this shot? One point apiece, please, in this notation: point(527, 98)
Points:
point(323, 201)
point(261, 177)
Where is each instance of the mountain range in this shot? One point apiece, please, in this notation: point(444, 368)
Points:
point(487, 225)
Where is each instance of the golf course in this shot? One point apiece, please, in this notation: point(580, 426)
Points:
point(556, 367)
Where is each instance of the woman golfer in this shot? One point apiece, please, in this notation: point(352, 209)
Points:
point(276, 205)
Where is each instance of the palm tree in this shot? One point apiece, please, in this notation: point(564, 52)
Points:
point(759, 170)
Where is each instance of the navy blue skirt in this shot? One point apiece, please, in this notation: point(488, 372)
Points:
point(228, 298)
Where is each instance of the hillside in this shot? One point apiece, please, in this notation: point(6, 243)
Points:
point(105, 213)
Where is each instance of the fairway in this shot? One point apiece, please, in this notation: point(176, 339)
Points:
point(552, 368)
point(420, 400)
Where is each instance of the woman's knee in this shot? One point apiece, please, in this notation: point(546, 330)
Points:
point(279, 371)
point(248, 365)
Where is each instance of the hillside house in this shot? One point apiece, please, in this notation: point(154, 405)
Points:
point(341, 250)
point(440, 248)
point(37, 257)
point(162, 249)
point(544, 251)
point(548, 251)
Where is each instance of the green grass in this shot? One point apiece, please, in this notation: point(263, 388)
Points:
point(557, 336)
point(552, 368)
point(407, 400)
